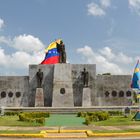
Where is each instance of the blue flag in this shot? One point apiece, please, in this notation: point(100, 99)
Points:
point(136, 77)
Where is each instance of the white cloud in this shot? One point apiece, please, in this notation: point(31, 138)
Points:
point(28, 50)
point(3, 58)
point(106, 60)
point(19, 59)
point(122, 58)
point(107, 52)
point(27, 43)
point(1, 23)
point(5, 40)
point(98, 9)
point(135, 5)
point(105, 3)
point(95, 10)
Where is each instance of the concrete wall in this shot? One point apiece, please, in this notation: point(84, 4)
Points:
point(14, 90)
point(113, 90)
point(47, 83)
point(62, 86)
point(78, 83)
point(105, 90)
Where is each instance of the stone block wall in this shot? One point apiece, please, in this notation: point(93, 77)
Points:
point(47, 83)
point(14, 91)
point(78, 83)
point(114, 90)
point(104, 90)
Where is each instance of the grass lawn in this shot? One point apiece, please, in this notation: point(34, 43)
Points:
point(19, 132)
point(64, 120)
point(116, 121)
point(14, 121)
point(68, 120)
point(116, 131)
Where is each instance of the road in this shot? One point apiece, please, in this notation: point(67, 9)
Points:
point(109, 138)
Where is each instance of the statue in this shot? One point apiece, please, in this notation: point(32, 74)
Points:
point(85, 77)
point(55, 53)
point(39, 75)
point(61, 50)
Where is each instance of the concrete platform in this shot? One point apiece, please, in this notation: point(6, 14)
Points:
point(68, 110)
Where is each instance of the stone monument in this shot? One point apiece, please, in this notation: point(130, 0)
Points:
point(39, 97)
point(85, 77)
point(62, 86)
point(62, 52)
point(86, 97)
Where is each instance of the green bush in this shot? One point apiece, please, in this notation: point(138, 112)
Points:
point(88, 120)
point(102, 116)
point(40, 120)
point(96, 116)
point(37, 117)
point(11, 113)
point(115, 113)
point(81, 114)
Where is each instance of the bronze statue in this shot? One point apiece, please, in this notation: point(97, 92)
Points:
point(85, 77)
point(39, 75)
point(62, 52)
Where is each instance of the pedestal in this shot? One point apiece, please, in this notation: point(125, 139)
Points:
point(62, 86)
point(86, 100)
point(39, 98)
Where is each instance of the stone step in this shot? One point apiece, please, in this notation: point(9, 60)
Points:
point(66, 110)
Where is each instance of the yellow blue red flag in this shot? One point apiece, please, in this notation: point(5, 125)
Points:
point(52, 54)
point(136, 77)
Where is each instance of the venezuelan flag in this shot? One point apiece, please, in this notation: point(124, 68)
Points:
point(136, 77)
point(52, 55)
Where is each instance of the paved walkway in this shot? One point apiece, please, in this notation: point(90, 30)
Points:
point(90, 127)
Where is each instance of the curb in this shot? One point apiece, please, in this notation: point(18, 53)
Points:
point(86, 133)
point(92, 134)
point(23, 135)
point(46, 132)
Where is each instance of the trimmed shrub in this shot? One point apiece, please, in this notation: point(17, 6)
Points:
point(88, 120)
point(40, 120)
point(37, 117)
point(11, 113)
point(96, 116)
point(81, 114)
point(115, 113)
point(102, 116)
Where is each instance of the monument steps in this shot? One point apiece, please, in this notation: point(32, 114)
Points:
point(66, 110)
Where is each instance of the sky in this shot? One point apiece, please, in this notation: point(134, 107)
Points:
point(101, 32)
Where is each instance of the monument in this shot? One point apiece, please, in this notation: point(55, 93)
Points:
point(85, 77)
point(62, 86)
point(86, 98)
point(55, 83)
point(62, 52)
point(39, 96)
point(39, 76)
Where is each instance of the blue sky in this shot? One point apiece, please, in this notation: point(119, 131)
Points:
point(101, 32)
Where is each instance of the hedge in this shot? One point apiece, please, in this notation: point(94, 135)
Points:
point(36, 117)
point(115, 113)
point(94, 116)
point(11, 113)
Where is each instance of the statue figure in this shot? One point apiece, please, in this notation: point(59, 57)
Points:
point(85, 77)
point(39, 75)
point(61, 50)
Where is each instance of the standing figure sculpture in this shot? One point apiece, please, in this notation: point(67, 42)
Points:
point(61, 51)
point(39, 75)
point(85, 77)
